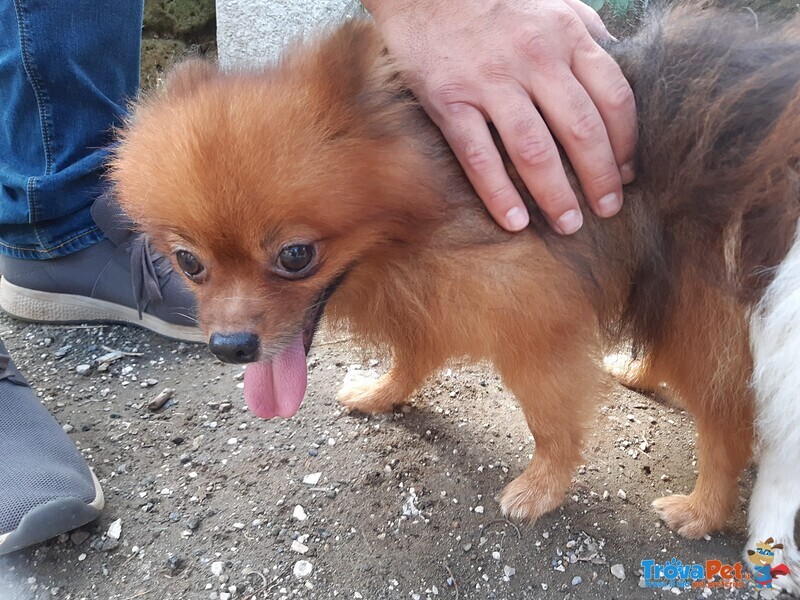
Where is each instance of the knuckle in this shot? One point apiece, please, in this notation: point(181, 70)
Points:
point(501, 197)
point(555, 201)
point(448, 92)
point(569, 22)
point(621, 97)
point(477, 157)
point(533, 43)
point(535, 150)
point(608, 179)
point(587, 127)
point(494, 70)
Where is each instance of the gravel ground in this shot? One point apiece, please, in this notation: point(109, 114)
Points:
point(206, 501)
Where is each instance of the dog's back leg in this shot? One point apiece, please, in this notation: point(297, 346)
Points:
point(705, 360)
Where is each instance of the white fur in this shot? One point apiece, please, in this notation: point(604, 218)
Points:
point(775, 341)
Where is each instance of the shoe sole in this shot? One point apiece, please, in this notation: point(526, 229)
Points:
point(49, 307)
point(52, 519)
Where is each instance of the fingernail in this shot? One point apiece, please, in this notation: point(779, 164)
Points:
point(570, 222)
point(517, 219)
point(627, 173)
point(609, 205)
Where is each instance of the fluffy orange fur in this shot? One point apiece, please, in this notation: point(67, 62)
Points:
point(331, 148)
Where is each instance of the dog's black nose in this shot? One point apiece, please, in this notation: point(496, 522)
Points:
point(241, 347)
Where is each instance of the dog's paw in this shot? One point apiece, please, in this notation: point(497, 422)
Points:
point(362, 393)
point(687, 517)
point(525, 499)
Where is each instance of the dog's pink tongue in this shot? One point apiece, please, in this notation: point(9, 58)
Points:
point(276, 388)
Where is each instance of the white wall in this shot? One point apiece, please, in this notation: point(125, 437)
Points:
point(252, 32)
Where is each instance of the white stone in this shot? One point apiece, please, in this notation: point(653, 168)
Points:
point(115, 529)
point(312, 479)
point(299, 547)
point(302, 568)
point(299, 513)
point(217, 568)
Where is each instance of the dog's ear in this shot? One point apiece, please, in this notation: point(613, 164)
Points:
point(769, 540)
point(348, 63)
point(750, 552)
point(184, 79)
point(777, 546)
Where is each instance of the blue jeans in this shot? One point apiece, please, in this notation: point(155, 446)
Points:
point(67, 70)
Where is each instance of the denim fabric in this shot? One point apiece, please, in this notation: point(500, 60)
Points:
point(67, 70)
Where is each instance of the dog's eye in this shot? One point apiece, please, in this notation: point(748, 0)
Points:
point(190, 265)
point(296, 257)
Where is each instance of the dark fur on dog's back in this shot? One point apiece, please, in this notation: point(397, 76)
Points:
point(719, 112)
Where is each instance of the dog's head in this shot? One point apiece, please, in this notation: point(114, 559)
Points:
point(271, 190)
point(764, 554)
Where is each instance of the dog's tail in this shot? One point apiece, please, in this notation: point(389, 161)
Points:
point(718, 98)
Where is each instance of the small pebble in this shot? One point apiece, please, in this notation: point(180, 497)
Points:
point(312, 479)
point(302, 568)
point(577, 580)
point(217, 568)
point(618, 571)
point(160, 400)
point(115, 529)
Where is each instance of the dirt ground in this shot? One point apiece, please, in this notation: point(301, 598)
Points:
point(404, 507)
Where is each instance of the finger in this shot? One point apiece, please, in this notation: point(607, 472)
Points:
point(591, 19)
point(610, 92)
point(573, 118)
point(533, 152)
point(466, 131)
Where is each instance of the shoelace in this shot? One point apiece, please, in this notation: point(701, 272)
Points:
point(149, 270)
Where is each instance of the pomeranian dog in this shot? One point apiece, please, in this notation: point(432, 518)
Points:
point(319, 185)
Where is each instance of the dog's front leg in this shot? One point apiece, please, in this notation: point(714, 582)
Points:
point(556, 397)
point(393, 389)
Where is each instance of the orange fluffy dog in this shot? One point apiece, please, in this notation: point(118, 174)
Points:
point(320, 185)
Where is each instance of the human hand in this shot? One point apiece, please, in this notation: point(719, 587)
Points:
point(525, 66)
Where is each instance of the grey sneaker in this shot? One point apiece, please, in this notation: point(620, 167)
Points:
point(119, 280)
point(46, 488)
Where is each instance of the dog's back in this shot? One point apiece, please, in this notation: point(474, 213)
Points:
point(718, 98)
